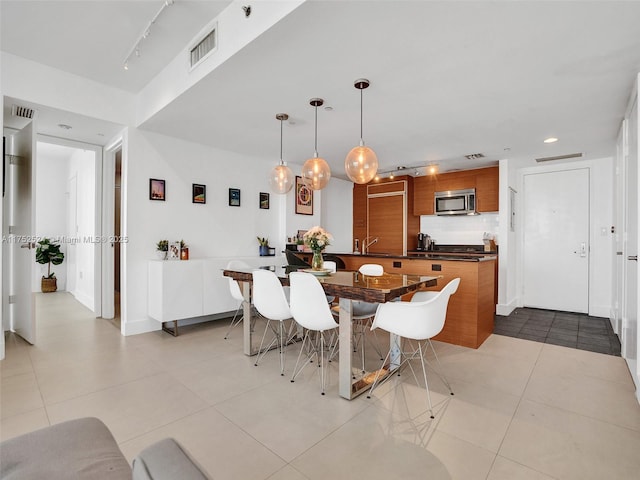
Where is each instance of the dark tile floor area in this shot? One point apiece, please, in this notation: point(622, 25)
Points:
point(567, 329)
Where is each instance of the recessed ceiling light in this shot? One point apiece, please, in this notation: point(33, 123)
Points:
point(550, 140)
point(64, 126)
point(328, 108)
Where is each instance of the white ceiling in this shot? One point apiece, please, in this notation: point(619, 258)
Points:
point(447, 78)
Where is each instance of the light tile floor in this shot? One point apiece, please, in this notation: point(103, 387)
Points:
point(522, 409)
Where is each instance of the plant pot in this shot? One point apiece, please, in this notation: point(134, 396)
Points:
point(264, 250)
point(161, 255)
point(49, 284)
point(184, 253)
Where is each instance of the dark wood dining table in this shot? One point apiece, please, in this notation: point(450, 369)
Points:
point(347, 286)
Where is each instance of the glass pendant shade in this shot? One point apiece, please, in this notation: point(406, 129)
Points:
point(316, 173)
point(361, 164)
point(281, 179)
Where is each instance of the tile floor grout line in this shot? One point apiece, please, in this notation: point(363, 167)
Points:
point(515, 411)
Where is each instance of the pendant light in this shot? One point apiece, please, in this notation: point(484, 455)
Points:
point(316, 171)
point(361, 163)
point(281, 177)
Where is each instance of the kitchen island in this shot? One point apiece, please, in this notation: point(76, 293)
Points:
point(470, 315)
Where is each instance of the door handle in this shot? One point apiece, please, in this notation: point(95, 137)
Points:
point(583, 249)
point(28, 245)
point(633, 257)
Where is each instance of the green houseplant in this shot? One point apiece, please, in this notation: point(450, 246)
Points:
point(162, 247)
point(48, 252)
point(264, 246)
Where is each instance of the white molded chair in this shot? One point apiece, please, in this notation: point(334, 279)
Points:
point(311, 311)
point(415, 320)
point(363, 312)
point(236, 293)
point(333, 268)
point(270, 301)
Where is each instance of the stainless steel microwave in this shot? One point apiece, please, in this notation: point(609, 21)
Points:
point(456, 202)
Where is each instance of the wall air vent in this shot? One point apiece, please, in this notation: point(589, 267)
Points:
point(474, 156)
point(204, 47)
point(559, 157)
point(23, 112)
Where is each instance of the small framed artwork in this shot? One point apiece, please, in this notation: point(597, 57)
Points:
point(174, 251)
point(234, 197)
point(264, 200)
point(156, 189)
point(198, 193)
point(304, 197)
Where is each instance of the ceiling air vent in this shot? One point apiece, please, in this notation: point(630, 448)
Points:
point(474, 156)
point(22, 112)
point(204, 47)
point(559, 157)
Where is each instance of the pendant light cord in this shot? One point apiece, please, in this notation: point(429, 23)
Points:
point(316, 129)
point(281, 162)
point(361, 137)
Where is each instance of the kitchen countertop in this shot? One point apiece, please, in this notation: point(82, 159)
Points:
point(433, 255)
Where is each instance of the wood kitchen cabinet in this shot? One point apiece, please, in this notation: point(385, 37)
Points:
point(484, 180)
point(384, 210)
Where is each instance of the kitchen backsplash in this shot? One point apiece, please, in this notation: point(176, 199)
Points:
point(460, 230)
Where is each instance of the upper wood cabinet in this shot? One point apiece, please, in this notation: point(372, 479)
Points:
point(484, 180)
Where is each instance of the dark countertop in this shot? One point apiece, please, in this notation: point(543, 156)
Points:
point(433, 255)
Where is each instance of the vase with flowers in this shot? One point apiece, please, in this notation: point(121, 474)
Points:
point(317, 239)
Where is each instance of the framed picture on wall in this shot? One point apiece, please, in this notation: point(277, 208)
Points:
point(156, 189)
point(304, 197)
point(234, 197)
point(264, 201)
point(198, 193)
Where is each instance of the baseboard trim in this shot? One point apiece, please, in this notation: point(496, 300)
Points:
point(85, 300)
point(603, 311)
point(506, 308)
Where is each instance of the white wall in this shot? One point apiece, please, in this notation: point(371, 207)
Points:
point(459, 229)
point(51, 196)
point(211, 230)
point(337, 214)
point(82, 167)
point(508, 251)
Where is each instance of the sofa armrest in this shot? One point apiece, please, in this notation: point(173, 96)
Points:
point(165, 460)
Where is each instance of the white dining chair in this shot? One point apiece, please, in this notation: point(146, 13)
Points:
point(363, 313)
point(311, 311)
point(333, 268)
point(271, 302)
point(419, 321)
point(236, 293)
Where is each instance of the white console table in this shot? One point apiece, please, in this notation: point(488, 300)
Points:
point(181, 289)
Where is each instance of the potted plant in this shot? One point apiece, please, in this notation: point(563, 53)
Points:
point(162, 247)
point(300, 245)
point(48, 253)
point(264, 246)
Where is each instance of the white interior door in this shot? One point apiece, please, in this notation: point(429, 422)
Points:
point(20, 252)
point(556, 240)
point(629, 338)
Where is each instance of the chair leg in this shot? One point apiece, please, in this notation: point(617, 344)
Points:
point(439, 369)
point(261, 351)
point(296, 372)
point(282, 345)
point(234, 322)
point(426, 384)
point(377, 377)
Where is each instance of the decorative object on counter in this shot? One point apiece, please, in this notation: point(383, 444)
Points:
point(281, 177)
point(174, 251)
point(184, 251)
point(46, 254)
point(264, 246)
point(198, 193)
point(162, 247)
point(489, 241)
point(300, 245)
point(264, 201)
point(317, 239)
point(315, 170)
point(234, 197)
point(361, 163)
point(156, 189)
point(304, 197)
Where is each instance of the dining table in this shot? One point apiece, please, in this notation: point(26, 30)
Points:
point(346, 286)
